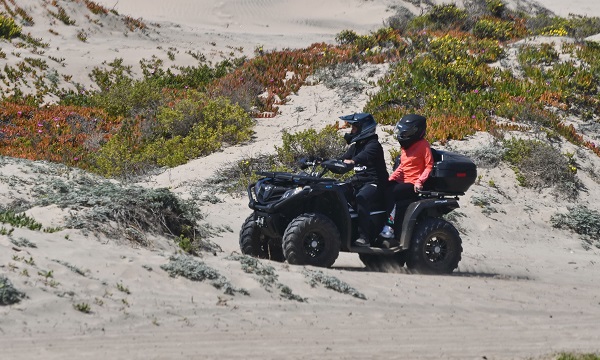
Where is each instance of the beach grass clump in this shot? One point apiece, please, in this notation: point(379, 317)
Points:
point(316, 277)
point(540, 165)
point(578, 356)
point(581, 220)
point(192, 269)
point(9, 29)
point(485, 202)
point(8, 293)
point(134, 24)
point(265, 275)
point(489, 155)
point(73, 268)
point(544, 54)
point(23, 242)
point(19, 220)
point(95, 8)
point(61, 14)
point(129, 211)
point(83, 307)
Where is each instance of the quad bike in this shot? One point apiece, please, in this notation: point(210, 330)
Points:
point(307, 219)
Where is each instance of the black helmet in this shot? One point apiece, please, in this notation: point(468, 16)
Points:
point(410, 129)
point(366, 126)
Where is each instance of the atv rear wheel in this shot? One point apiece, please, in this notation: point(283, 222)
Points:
point(254, 243)
point(436, 247)
point(311, 239)
point(383, 263)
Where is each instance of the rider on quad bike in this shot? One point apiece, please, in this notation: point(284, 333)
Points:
point(365, 155)
point(307, 219)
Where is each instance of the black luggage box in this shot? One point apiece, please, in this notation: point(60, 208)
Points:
point(453, 173)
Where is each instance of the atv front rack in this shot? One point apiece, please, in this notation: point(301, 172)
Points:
point(296, 178)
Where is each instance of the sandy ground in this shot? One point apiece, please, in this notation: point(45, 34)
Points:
point(522, 290)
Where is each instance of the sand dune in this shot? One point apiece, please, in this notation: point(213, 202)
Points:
point(523, 289)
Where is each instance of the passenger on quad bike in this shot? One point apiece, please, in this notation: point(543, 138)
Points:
point(409, 176)
point(365, 154)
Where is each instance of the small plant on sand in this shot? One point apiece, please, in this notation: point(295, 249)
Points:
point(19, 220)
point(73, 268)
point(96, 8)
point(583, 221)
point(22, 242)
point(266, 276)
point(331, 282)
point(61, 14)
point(192, 269)
point(578, 356)
point(8, 294)
point(82, 36)
point(123, 288)
point(83, 307)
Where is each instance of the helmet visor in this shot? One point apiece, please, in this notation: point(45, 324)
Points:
point(405, 132)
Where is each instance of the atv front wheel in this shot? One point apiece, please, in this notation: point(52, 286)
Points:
point(311, 239)
point(253, 243)
point(436, 247)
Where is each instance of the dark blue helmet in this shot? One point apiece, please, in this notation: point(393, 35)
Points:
point(366, 126)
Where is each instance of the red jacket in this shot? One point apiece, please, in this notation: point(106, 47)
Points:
point(416, 163)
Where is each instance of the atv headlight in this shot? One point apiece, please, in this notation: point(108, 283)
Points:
point(292, 192)
point(263, 190)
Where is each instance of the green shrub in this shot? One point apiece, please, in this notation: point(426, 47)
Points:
point(496, 7)
point(194, 126)
point(129, 98)
point(8, 28)
point(346, 37)
point(236, 176)
point(445, 16)
point(494, 29)
point(325, 144)
point(545, 54)
point(540, 165)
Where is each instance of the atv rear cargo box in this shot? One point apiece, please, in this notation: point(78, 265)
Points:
point(453, 173)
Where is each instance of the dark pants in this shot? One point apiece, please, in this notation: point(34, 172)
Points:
point(400, 195)
point(367, 198)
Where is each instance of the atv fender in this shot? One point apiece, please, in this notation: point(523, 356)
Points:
point(427, 207)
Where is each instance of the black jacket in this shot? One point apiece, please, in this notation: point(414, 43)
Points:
point(369, 161)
